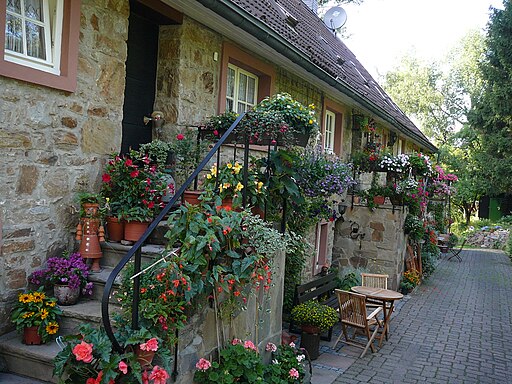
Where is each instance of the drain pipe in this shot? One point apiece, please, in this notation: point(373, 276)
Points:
point(239, 18)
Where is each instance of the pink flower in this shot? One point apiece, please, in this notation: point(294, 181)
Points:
point(83, 352)
point(203, 364)
point(250, 345)
point(271, 347)
point(150, 345)
point(145, 377)
point(159, 375)
point(294, 373)
point(180, 137)
point(236, 341)
point(292, 344)
point(123, 367)
point(216, 133)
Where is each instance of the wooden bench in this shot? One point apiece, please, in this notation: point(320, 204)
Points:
point(321, 289)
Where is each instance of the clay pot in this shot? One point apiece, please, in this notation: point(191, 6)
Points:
point(91, 210)
point(133, 230)
point(66, 295)
point(311, 343)
point(191, 197)
point(31, 336)
point(379, 200)
point(258, 211)
point(89, 232)
point(115, 229)
point(144, 357)
point(311, 329)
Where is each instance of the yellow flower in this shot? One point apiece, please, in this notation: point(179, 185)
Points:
point(237, 168)
point(43, 313)
point(239, 187)
point(27, 315)
point(213, 170)
point(38, 297)
point(209, 176)
point(310, 121)
point(52, 328)
point(311, 106)
point(50, 304)
point(24, 298)
point(229, 165)
point(259, 185)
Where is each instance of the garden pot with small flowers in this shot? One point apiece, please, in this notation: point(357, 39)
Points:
point(36, 315)
point(314, 318)
point(115, 229)
point(134, 189)
point(67, 275)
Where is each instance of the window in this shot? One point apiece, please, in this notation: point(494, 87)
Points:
point(244, 79)
point(242, 89)
point(32, 33)
point(330, 128)
point(40, 41)
point(321, 246)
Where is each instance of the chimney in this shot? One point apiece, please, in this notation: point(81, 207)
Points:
point(313, 5)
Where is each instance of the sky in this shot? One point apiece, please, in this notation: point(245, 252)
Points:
point(382, 31)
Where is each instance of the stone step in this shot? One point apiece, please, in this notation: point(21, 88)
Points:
point(114, 252)
point(99, 280)
point(9, 378)
point(35, 361)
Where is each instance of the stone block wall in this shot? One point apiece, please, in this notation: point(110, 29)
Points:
point(381, 249)
point(53, 145)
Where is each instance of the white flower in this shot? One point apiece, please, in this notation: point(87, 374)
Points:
point(275, 361)
point(300, 358)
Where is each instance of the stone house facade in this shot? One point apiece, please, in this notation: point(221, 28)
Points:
point(120, 60)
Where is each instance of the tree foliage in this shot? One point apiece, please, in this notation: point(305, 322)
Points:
point(491, 115)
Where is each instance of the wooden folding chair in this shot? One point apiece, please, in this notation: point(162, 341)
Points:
point(353, 314)
point(374, 280)
point(456, 252)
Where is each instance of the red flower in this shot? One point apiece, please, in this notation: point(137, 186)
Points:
point(106, 178)
point(134, 173)
point(180, 137)
point(216, 133)
point(151, 204)
point(128, 162)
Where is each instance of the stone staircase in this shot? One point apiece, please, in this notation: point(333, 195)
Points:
point(36, 361)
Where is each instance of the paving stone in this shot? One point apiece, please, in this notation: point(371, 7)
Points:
point(454, 328)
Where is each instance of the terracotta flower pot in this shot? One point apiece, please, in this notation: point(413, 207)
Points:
point(144, 357)
point(191, 197)
point(66, 295)
point(115, 229)
point(31, 336)
point(133, 230)
point(311, 329)
point(379, 200)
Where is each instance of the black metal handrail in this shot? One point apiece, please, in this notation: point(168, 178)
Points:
point(136, 248)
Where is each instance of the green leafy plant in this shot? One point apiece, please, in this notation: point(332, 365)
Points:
point(414, 227)
point(35, 309)
point(297, 250)
point(410, 280)
point(315, 314)
point(189, 152)
point(228, 182)
point(88, 357)
point(238, 362)
point(133, 187)
point(287, 365)
point(277, 119)
point(158, 152)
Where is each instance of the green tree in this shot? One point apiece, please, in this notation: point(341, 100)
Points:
point(492, 111)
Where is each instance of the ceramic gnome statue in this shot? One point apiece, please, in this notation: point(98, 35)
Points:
point(90, 233)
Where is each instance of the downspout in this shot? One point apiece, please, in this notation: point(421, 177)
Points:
point(239, 18)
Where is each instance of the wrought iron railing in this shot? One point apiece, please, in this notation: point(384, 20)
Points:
point(135, 252)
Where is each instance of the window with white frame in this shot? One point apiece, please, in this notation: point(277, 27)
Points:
point(242, 89)
point(330, 127)
point(33, 32)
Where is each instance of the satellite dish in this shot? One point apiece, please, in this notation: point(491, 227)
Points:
point(335, 18)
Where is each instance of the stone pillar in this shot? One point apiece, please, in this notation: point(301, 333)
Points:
point(379, 245)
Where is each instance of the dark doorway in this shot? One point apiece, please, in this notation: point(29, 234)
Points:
point(139, 95)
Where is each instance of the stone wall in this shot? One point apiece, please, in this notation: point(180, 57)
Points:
point(188, 76)
point(382, 246)
point(53, 145)
point(260, 323)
